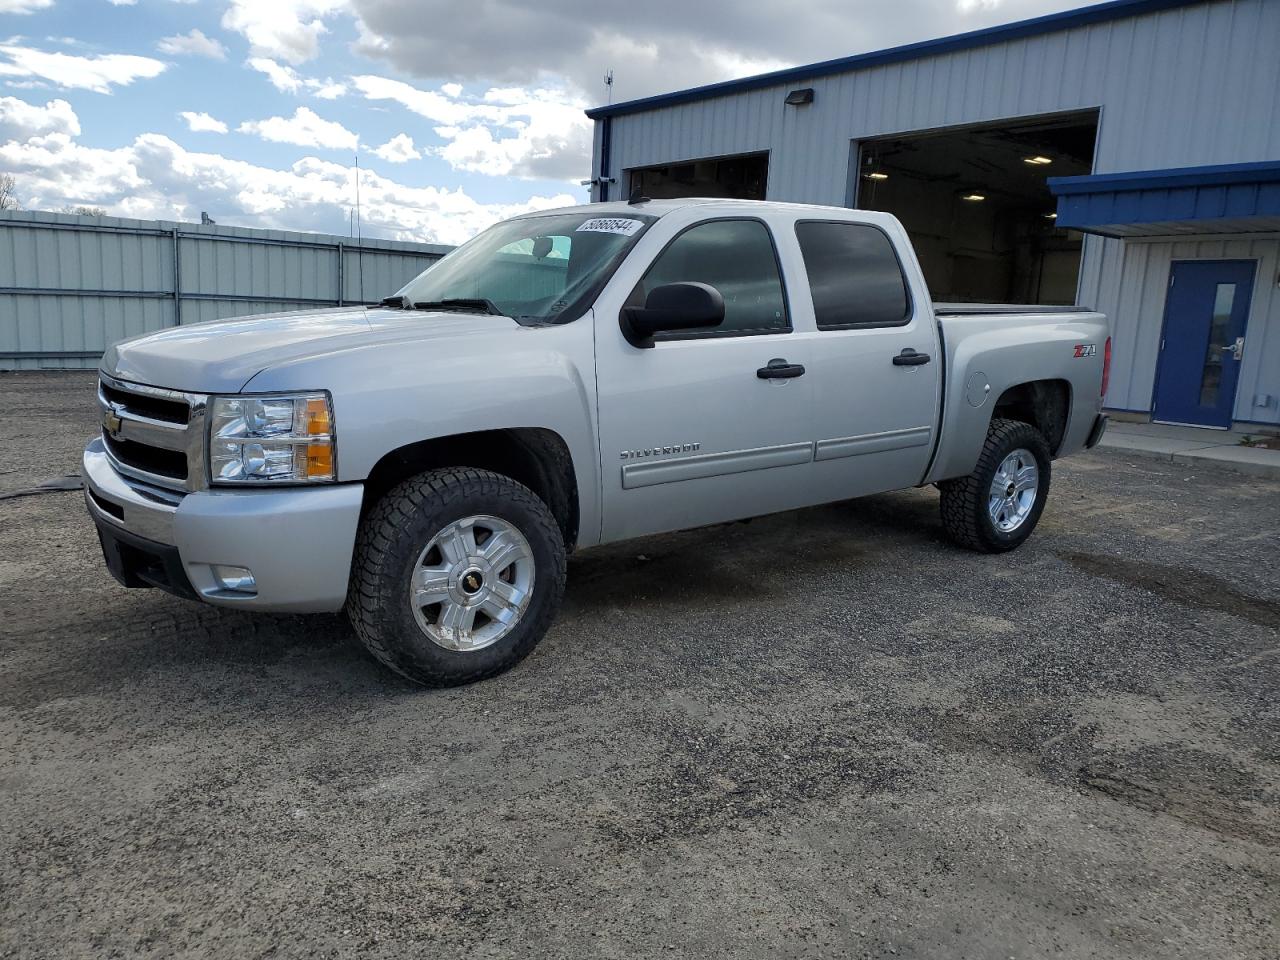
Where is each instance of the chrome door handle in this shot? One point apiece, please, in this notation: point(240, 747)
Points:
point(1235, 349)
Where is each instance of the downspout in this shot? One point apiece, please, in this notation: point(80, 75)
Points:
point(606, 138)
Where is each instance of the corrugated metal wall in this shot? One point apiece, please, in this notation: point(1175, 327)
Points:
point(70, 286)
point(1140, 287)
point(1194, 85)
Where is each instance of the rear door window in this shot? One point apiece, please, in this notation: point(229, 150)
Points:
point(854, 275)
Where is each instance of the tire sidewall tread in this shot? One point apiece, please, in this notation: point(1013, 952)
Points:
point(392, 537)
point(963, 502)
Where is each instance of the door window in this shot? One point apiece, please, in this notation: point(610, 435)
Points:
point(738, 259)
point(854, 275)
point(1224, 297)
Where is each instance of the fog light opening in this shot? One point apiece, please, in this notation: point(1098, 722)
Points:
point(234, 579)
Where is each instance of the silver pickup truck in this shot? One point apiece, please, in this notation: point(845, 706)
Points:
point(570, 378)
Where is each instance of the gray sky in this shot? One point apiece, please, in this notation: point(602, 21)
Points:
point(659, 45)
point(462, 112)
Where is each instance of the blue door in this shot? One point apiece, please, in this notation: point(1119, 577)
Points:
point(1203, 343)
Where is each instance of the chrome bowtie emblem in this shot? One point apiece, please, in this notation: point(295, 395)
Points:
point(112, 423)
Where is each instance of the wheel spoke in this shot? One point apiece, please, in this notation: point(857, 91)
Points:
point(456, 622)
point(996, 507)
point(1026, 478)
point(432, 586)
point(501, 550)
point(457, 542)
point(501, 603)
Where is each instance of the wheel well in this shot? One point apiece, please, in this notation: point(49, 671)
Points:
point(1044, 404)
point(536, 457)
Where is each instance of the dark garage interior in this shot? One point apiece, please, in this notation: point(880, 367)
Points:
point(977, 207)
point(741, 177)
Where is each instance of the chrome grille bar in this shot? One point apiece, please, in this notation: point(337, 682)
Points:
point(140, 444)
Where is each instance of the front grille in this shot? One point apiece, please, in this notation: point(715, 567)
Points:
point(157, 408)
point(162, 463)
point(152, 434)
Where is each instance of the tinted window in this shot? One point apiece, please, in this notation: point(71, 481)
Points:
point(853, 274)
point(734, 256)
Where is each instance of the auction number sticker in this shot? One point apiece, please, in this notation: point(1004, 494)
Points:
point(619, 225)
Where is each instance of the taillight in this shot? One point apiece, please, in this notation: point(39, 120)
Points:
point(1106, 366)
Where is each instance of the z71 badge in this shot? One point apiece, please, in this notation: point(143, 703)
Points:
point(1085, 350)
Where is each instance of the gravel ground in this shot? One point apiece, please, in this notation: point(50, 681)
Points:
point(825, 733)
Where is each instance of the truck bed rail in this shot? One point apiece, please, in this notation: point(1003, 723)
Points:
point(969, 309)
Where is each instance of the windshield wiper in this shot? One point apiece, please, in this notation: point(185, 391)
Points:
point(462, 304)
point(396, 300)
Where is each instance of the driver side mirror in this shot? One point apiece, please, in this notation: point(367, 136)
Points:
point(672, 306)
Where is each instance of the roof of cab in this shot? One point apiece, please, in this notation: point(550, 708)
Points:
point(660, 208)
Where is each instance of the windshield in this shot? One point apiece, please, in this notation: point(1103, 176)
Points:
point(534, 269)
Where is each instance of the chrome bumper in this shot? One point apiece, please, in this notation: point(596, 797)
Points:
point(296, 542)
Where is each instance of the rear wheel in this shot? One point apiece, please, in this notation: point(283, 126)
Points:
point(457, 574)
point(997, 506)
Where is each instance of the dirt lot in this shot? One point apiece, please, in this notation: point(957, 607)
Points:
point(825, 733)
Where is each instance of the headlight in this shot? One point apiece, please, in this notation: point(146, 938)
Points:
point(286, 439)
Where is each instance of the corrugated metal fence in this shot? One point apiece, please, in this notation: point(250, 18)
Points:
point(70, 286)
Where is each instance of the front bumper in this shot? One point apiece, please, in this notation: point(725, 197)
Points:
point(297, 542)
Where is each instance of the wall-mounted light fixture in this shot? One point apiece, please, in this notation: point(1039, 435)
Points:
point(800, 98)
point(876, 176)
point(1052, 215)
point(974, 197)
point(1037, 160)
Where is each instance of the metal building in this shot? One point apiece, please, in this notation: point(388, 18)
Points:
point(70, 286)
point(1125, 156)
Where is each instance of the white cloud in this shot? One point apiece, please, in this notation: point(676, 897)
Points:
point(24, 6)
point(326, 89)
point(97, 73)
point(122, 3)
point(202, 122)
point(509, 131)
point(305, 128)
point(286, 30)
point(284, 78)
point(20, 120)
point(399, 149)
point(154, 177)
point(194, 44)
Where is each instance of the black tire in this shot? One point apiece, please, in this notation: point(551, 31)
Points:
point(389, 543)
point(964, 500)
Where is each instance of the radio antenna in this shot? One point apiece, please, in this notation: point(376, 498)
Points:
point(359, 228)
point(608, 85)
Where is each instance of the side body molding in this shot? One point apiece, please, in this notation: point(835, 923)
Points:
point(636, 475)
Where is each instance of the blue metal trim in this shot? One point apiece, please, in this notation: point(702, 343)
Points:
point(1266, 171)
point(1238, 192)
point(1051, 23)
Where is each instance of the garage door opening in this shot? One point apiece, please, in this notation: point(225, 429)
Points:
point(743, 177)
point(977, 207)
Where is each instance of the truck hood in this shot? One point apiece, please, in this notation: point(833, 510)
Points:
point(221, 356)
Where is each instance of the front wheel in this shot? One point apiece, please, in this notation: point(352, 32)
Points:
point(457, 574)
point(996, 507)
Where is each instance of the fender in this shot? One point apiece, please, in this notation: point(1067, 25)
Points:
point(389, 395)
